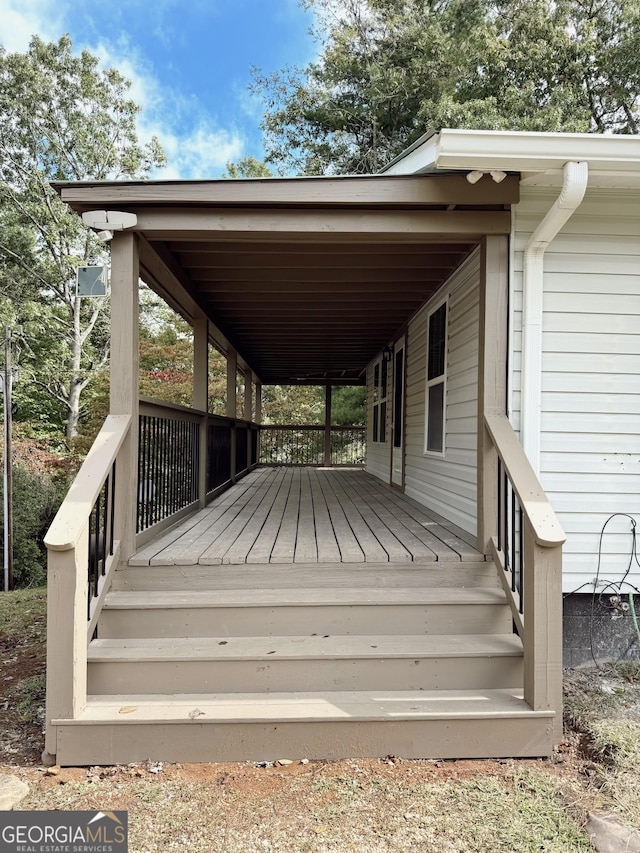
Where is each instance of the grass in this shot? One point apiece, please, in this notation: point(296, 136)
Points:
point(22, 614)
point(522, 812)
point(615, 744)
point(30, 695)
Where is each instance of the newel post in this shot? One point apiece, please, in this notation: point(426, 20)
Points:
point(66, 636)
point(124, 391)
point(492, 375)
point(543, 627)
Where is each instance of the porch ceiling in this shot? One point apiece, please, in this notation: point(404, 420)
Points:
point(306, 278)
point(308, 311)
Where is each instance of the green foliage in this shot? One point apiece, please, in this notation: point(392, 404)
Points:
point(389, 69)
point(61, 119)
point(349, 406)
point(292, 404)
point(248, 167)
point(35, 500)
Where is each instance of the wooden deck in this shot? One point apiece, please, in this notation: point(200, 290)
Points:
point(309, 515)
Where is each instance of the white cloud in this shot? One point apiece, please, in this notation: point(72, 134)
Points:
point(22, 19)
point(201, 154)
point(194, 145)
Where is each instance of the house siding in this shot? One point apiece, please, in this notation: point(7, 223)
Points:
point(590, 425)
point(447, 485)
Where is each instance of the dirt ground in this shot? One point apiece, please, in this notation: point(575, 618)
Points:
point(385, 804)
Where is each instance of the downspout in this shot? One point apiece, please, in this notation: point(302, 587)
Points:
point(576, 176)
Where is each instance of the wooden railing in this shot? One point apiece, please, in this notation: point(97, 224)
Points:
point(185, 458)
point(287, 444)
point(527, 548)
point(168, 462)
point(82, 555)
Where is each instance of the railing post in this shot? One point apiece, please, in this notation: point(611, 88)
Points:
point(492, 375)
point(66, 635)
point(543, 627)
point(201, 397)
point(327, 425)
point(124, 381)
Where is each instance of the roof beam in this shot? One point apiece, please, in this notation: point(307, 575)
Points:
point(346, 191)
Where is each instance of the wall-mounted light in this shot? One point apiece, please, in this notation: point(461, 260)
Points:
point(498, 175)
point(387, 353)
point(474, 177)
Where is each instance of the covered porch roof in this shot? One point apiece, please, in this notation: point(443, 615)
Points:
point(307, 279)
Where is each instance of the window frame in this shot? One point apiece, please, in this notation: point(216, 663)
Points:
point(439, 380)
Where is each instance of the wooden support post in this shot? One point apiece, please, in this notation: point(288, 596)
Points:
point(327, 426)
point(124, 382)
point(248, 395)
point(201, 397)
point(492, 376)
point(257, 418)
point(248, 410)
point(232, 370)
point(543, 627)
point(258, 414)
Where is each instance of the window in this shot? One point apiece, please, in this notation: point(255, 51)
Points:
point(436, 376)
point(380, 382)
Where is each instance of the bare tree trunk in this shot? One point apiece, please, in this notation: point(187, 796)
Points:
point(75, 380)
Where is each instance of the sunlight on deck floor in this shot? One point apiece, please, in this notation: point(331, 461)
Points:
point(308, 515)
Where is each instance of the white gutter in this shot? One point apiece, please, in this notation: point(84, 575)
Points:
point(576, 177)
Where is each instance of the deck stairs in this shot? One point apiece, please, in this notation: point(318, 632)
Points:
point(228, 663)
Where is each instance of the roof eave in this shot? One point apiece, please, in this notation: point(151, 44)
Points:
point(524, 152)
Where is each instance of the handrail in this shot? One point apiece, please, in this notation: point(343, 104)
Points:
point(533, 499)
point(528, 552)
point(71, 519)
point(301, 427)
point(149, 405)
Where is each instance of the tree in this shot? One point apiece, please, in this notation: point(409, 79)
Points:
point(61, 119)
point(248, 167)
point(390, 69)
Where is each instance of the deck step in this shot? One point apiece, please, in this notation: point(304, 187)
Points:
point(240, 612)
point(331, 724)
point(467, 574)
point(302, 663)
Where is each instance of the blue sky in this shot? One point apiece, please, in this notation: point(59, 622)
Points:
point(189, 62)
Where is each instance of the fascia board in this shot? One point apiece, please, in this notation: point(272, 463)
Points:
point(535, 152)
point(421, 157)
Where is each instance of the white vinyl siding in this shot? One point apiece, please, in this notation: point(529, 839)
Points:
point(590, 435)
point(378, 453)
point(447, 484)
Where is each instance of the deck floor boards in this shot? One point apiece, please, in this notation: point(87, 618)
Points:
point(307, 516)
